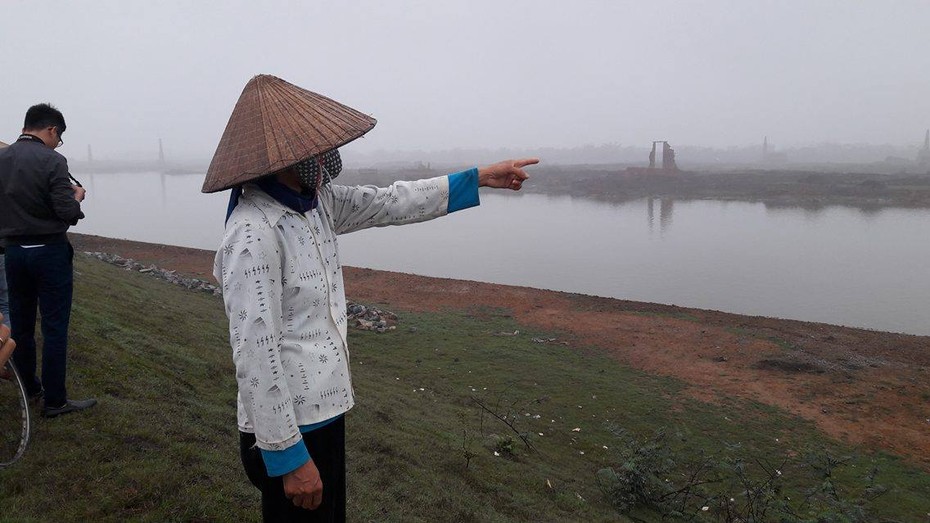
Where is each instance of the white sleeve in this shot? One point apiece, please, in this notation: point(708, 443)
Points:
point(250, 268)
point(361, 207)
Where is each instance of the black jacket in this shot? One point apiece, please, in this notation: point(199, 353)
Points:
point(37, 202)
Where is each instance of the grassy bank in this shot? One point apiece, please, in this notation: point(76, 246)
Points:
point(162, 445)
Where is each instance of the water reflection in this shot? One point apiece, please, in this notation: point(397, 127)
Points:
point(650, 212)
point(814, 210)
point(164, 190)
point(154, 207)
point(666, 208)
point(666, 212)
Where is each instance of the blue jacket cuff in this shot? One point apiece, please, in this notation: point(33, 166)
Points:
point(280, 462)
point(463, 190)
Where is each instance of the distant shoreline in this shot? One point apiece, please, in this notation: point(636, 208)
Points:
point(808, 187)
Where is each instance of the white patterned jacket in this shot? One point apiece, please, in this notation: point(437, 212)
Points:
point(284, 295)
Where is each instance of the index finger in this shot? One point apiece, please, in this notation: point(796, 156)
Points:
point(523, 162)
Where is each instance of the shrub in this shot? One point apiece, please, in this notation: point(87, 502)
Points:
point(733, 485)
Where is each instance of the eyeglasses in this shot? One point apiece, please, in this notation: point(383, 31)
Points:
point(60, 141)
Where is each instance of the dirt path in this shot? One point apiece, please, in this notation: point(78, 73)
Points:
point(863, 387)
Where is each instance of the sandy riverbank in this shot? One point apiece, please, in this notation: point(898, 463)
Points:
point(864, 387)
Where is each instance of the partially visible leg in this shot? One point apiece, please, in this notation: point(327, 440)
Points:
point(55, 289)
point(4, 297)
point(327, 449)
point(23, 295)
point(275, 505)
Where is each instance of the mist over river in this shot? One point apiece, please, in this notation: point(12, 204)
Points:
point(837, 265)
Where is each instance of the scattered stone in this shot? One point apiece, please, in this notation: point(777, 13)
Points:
point(366, 318)
point(548, 340)
point(371, 318)
point(170, 276)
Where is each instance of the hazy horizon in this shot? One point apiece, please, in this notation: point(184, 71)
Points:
point(477, 75)
point(888, 159)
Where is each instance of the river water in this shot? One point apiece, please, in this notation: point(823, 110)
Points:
point(837, 265)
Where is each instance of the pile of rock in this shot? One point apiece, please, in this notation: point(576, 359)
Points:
point(371, 318)
point(365, 317)
point(170, 276)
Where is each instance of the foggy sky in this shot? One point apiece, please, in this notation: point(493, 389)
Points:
point(446, 74)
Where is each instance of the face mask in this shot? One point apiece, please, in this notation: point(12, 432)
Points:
point(332, 165)
point(328, 165)
point(308, 174)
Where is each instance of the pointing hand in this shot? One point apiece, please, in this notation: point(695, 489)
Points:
point(508, 174)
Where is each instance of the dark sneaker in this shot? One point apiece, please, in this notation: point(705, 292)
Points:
point(69, 406)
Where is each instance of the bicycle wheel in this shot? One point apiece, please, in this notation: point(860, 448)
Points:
point(14, 416)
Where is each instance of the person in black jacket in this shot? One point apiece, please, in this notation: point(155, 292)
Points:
point(37, 205)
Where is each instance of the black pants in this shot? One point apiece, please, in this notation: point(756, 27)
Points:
point(43, 278)
point(327, 447)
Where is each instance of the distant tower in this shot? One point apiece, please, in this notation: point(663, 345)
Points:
point(765, 148)
point(668, 158)
point(161, 153)
point(90, 154)
point(927, 140)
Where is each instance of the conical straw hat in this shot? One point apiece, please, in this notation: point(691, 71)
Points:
point(275, 125)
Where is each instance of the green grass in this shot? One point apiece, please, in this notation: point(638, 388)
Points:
point(162, 445)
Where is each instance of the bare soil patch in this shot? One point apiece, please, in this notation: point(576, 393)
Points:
point(863, 387)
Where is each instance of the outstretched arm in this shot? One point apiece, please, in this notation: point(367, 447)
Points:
point(356, 208)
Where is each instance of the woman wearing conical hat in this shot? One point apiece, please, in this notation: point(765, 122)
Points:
point(282, 281)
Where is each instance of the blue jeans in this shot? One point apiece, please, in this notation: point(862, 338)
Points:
point(4, 300)
point(41, 277)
